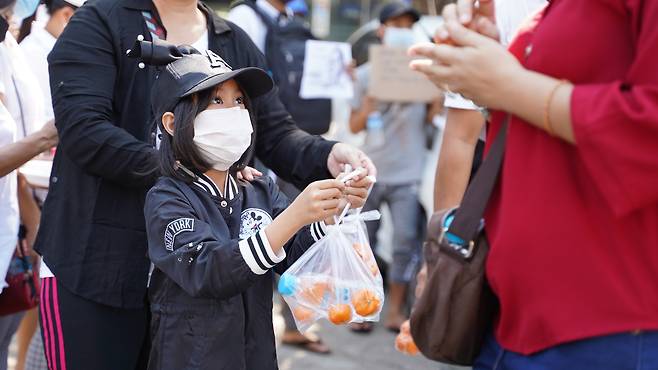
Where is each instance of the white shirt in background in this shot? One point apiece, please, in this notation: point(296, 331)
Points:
point(23, 96)
point(9, 220)
point(36, 47)
point(510, 14)
point(247, 19)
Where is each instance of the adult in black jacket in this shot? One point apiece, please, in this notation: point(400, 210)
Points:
point(92, 234)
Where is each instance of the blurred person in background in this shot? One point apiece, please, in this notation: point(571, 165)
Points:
point(395, 140)
point(244, 15)
point(576, 281)
point(19, 142)
point(36, 46)
point(298, 7)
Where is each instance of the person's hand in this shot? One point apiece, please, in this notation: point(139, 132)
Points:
point(319, 201)
point(49, 135)
point(480, 18)
point(249, 174)
point(482, 70)
point(421, 280)
point(342, 154)
point(369, 104)
point(356, 191)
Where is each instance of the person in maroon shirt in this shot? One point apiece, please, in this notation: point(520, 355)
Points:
point(573, 224)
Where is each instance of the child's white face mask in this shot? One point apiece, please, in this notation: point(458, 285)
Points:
point(223, 135)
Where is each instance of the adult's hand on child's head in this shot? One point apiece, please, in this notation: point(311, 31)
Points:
point(249, 174)
point(319, 201)
point(343, 154)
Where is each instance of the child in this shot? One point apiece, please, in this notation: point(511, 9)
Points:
point(214, 241)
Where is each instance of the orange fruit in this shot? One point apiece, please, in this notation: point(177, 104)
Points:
point(365, 302)
point(314, 294)
point(340, 314)
point(405, 343)
point(358, 247)
point(412, 349)
point(401, 342)
point(302, 313)
point(363, 250)
point(374, 269)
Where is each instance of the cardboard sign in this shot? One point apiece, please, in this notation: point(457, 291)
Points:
point(391, 79)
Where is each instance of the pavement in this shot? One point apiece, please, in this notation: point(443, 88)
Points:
point(352, 351)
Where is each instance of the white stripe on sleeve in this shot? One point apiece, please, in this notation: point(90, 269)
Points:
point(258, 253)
point(249, 257)
point(261, 237)
point(318, 230)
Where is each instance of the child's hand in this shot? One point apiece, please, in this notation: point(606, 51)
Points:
point(319, 201)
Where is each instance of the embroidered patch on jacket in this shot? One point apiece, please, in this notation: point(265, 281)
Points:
point(176, 227)
point(253, 220)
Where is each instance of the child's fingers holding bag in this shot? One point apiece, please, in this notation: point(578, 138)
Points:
point(319, 199)
point(357, 191)
point(328, 184)
point(356, 196)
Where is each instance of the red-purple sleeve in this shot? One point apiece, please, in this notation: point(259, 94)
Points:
point(616, 124)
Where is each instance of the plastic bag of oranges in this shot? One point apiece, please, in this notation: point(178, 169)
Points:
point(337, 278)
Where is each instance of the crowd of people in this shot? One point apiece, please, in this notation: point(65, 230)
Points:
point(187, 174)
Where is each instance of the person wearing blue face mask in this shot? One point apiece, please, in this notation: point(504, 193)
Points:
point(395, 139)
point(24, 9)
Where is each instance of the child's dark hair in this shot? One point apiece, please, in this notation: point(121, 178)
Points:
point(54, 5)
point(180, 147)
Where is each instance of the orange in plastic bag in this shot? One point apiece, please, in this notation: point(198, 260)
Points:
point(302, 313)
point(340, 314)
point(366, 302)
point(313, 293)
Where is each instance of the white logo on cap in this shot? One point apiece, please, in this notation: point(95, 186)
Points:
point(217, 62)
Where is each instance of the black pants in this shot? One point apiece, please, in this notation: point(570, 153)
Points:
point(79, 334)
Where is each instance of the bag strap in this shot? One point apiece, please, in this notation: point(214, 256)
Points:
point(466, 223)
point(269, 22)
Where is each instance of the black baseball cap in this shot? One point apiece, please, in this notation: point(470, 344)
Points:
point(396, 9)
point(187, 71)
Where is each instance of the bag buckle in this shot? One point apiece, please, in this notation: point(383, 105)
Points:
point(463, 250)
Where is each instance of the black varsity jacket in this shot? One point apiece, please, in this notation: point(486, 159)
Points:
point(211, 288)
